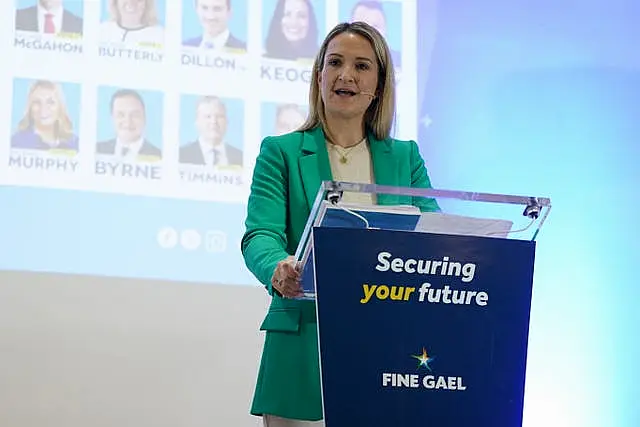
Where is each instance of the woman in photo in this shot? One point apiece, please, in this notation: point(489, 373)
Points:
point(132, 21)
point(293, 31)
point(46, 124)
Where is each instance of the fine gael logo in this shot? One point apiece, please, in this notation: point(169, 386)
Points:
point(428, 380)
point(424, 359)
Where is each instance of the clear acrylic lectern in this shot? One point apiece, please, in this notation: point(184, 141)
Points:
point(420, 210)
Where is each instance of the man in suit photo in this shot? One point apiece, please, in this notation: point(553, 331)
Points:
point(48, 17)
point(214, 16)
point(210, 149)
point(129, 120)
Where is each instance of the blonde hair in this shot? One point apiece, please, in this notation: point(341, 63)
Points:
point(149, 17)
point(63, 125)
point(379, 117)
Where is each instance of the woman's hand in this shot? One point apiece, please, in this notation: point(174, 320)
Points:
point(286, 278)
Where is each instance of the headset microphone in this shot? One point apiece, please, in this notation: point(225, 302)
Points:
point(369, 94)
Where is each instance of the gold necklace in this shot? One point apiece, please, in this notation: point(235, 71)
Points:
point(344, 152)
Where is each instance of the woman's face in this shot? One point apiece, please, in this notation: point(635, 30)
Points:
point(349, 77)
point(295, 20)
point(45, 108)
point(131, 11)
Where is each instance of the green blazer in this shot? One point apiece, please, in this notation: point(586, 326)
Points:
point(287, 176)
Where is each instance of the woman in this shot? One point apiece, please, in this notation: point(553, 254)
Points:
point(345, 137)
point(132, 21)
point(46, 124)
point(293, 31)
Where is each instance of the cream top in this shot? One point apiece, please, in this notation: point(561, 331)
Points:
point(352, 164)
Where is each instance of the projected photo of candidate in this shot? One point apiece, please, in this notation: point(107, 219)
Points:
point(129, 121)
point(215, 24)
point(45, 122)
point(293, 29)
point(217, 133)
point(279, 119)
point(49, 16)
point(132, 22)
point(380, 15)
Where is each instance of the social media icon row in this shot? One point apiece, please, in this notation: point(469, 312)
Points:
point(189, 239)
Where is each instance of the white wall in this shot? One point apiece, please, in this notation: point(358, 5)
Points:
point(81, 351)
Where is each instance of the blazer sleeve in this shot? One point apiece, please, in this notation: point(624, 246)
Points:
point(264, 242)
point(420, 179)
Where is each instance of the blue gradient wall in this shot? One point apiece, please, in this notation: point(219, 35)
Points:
point(542, 98)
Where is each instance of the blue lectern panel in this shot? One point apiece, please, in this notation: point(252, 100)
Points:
point(422, 330)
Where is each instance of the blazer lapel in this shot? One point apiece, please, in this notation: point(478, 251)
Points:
point(385, 168)
point(314, 163)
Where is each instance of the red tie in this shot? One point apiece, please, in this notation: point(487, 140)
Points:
point(49, 28)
